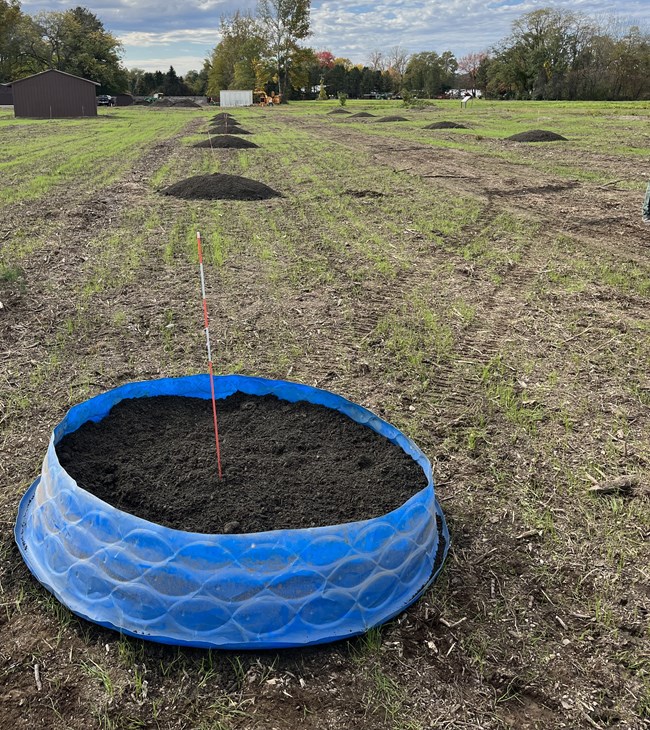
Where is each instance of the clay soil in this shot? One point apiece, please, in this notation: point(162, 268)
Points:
point(285, 465)
point(490, 299)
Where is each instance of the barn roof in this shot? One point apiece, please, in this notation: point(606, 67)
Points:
point(55, 71)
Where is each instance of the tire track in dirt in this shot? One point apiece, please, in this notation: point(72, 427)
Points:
point(54, 272)
point(598, 216)
point(501, 186)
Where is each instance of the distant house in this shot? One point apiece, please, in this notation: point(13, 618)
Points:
point(123, 99)
point(54, 94)
point(6, 95)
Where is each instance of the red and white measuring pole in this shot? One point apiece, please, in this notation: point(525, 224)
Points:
point(207, 340)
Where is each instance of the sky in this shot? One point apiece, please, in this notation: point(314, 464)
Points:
point(157, 34)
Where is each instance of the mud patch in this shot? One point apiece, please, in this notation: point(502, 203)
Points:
point(364, 193)
point(285, 465)
point(220, 187)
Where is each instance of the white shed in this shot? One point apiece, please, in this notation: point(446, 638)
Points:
point(235, 98)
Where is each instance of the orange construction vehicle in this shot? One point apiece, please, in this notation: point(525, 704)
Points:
point(264, 99)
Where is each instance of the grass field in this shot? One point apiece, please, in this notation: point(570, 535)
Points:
point(491, 299)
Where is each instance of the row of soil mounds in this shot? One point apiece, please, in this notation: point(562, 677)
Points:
point(285, 465)
point(219, 186)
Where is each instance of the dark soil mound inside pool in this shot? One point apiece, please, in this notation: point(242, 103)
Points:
point(220, 187)
point(445, 125)
point(285, 465)
point(537, 135)
point(225, 141)
point(392, 119)
point(362, 115)
point(227, 129)
point(339, 111)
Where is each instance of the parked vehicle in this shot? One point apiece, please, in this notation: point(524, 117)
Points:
point(105, 100)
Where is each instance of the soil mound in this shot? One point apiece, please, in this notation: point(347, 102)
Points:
point(339, 111)
point(361, 115)
point(446, 125)
point(223, 115)
point(227, 142)
point(220, 187)
point(161, 102)
point(227, 129)
point(537, 135)
point(392, 119)
point(285, 465)
point(189, 103)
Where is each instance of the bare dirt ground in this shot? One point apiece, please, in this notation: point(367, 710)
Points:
point(514, 349)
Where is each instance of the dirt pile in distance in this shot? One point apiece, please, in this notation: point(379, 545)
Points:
point(446, 125)
point(222, 116)
point(392, 119)
point(537, 135)
point(225, 141)
point(361, 115)
point(226, 129)
point(220, 187)
point(339, 111)
point(186, 103)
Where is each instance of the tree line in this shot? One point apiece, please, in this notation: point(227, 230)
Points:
point(550, 54)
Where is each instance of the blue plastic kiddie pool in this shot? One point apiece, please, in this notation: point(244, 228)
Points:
point(265, 590)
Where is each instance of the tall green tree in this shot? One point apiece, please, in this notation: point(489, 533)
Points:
point(429, 74)
point(236, 59)
point(285, 22)
point(76, 42)
point(11, 19)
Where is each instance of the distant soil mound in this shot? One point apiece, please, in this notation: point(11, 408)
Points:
point(392, 119)
point(361, 115)
point(339, 111)
point(220, 187)
point(227, 142)
point(446, 125)
point(189, 103)
point(161, 102)
point(537, 135)
point(227, 129)
point(223, 115)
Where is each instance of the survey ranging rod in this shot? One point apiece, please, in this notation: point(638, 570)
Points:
point(207, 342)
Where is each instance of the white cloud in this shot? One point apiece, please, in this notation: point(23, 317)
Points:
point(351, 28)
point(181, 64)
point(139, 39)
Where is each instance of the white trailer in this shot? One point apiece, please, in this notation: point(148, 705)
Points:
point(235, 98)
